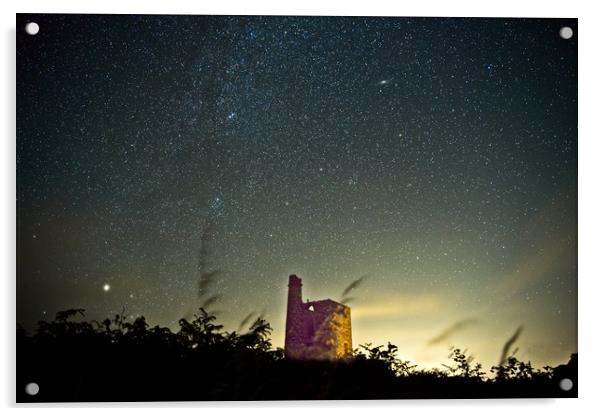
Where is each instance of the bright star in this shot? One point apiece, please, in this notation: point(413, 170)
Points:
point(106, 287)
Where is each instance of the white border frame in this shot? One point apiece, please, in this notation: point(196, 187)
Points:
point(589, 156)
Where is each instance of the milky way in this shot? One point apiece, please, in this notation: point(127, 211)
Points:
point(437, 157)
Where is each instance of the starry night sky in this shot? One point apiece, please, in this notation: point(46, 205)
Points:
point(437, 157)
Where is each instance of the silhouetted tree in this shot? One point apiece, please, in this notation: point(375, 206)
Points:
point(258, 338)
point(463, 365)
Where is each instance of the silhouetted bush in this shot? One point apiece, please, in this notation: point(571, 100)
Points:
point(118, 360)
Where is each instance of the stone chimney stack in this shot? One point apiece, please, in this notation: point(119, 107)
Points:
point(294, 317)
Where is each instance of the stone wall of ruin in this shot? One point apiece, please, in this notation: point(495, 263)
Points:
point(316, 330)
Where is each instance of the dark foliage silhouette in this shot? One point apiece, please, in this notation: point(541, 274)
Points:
point(508, 345)
point(352, 286)
point(120, 360)
point(462, 366)
point(445, 334)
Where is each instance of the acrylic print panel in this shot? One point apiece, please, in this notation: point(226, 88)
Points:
point(272, 208)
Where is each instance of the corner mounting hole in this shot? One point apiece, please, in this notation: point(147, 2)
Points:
point(32, 28)
point(566, 384)
point(32, 389)
point(566, 32)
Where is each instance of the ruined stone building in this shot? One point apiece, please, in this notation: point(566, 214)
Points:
point(319, 330)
